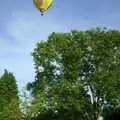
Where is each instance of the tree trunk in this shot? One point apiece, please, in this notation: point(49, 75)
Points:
point(98, 117)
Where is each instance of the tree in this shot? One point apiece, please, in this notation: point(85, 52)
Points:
point(78, 71)
point(111, 113)
point(25, 103)
point(9, 100)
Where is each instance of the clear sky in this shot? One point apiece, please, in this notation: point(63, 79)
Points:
point(21, 26)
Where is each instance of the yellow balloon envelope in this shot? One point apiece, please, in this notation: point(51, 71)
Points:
point(42, 5)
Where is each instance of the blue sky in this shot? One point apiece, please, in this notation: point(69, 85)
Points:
point(21, 26)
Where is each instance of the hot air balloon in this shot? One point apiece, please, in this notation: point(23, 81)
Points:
point(43, 5)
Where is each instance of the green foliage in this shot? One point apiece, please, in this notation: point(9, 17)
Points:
point(77, 71)
point(9, 101)
point(25, 105)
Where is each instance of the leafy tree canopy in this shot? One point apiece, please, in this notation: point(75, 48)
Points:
point(77, 71)
point(9, 100)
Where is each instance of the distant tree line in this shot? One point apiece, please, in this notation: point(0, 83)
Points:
point(77, 78)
